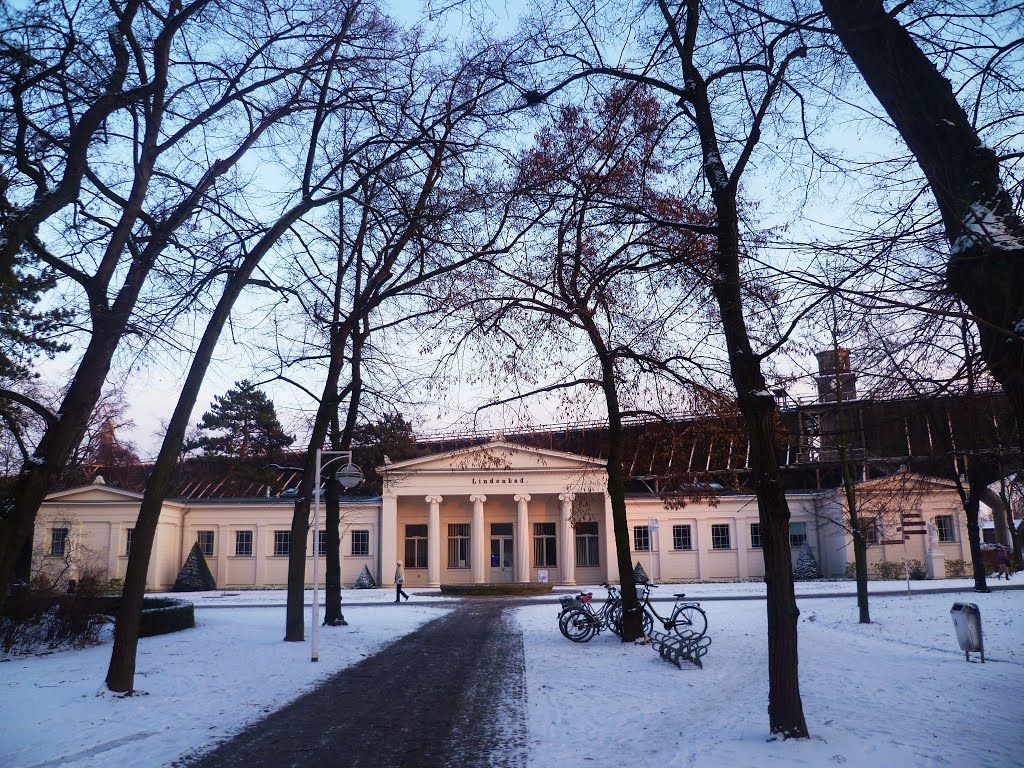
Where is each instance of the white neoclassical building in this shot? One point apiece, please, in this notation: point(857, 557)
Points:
point(488, 513)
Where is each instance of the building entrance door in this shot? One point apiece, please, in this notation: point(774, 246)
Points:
point(502, 548)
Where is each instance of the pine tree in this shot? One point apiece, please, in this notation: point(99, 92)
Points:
point(806, 567)
point(242, 424)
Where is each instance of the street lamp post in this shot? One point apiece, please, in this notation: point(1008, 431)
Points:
point(349, 476)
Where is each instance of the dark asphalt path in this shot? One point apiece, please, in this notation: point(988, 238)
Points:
point(449, 695)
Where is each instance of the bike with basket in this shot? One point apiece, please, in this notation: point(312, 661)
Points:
point(579, 622)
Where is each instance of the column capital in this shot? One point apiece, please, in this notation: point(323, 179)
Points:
point(566, 496)
point(522, 497)
point(478, 497)
point(434, 499)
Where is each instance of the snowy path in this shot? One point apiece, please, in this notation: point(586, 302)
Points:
point(448, 694)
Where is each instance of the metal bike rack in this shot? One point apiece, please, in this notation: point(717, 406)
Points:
point(680, 648)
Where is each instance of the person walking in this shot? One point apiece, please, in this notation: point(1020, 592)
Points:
point(399, 581)
point(1003, 561)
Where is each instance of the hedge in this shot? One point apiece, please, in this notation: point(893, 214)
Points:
point(160, 615)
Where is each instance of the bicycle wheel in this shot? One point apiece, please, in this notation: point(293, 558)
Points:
point(578, 626)
point(688, 619)
point(615, 619)
point(648, 623)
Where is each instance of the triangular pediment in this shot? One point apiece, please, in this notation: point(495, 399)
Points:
point(94, 492)
point(908, 481)
point(497, 456)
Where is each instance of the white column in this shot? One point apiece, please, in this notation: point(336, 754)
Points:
point(112, 553)
point(260, 550)
point(388, 540)
point(153, 574)
point(224, 545)
point(477, 554)
point(568, 569)
point(434, 541)
point(742, 552)
point(522, 537)
point(611, 556)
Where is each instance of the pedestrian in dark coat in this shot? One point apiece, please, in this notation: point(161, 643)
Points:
point(1003, 561)
point(399, 581)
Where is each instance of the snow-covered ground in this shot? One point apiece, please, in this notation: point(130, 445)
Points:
point(196, 686)
point(896, 692)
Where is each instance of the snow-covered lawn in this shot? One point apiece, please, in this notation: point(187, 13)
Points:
point(199, 686)
point(896, 692)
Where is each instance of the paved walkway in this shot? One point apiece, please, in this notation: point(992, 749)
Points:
point(449, 695)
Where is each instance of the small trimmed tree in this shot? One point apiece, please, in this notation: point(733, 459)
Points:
point(806, 566)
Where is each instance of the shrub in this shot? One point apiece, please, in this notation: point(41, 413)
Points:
point(162, 615)
point(851, 570)
point(41, 615)
point(917, 570)
point(889, 570)
point(957, 569)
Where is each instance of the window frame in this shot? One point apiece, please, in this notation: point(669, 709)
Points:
point(642, 538)
point(362, 535)
point(793, 545)
point(588, 544)
point(420, 556)
point(459, 546)
point(756, 542)
point(716, 537)
point(545, 545)
point(202, 544)
point(129, 535)
point(951, 533)
point(240, 536)
point(322, 543)
point(678, 538)
point(66, 533)
point(282, 543)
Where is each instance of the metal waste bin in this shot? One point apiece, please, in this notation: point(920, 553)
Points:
point(967, 621)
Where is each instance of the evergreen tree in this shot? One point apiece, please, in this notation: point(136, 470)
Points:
point(26, 331)
point(242, 424)
point(806, 567)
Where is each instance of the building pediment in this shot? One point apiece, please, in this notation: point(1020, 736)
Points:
point(495, 457)
point(96, 491)
point(909, 481)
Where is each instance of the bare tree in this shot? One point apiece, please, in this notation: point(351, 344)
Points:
point(614, 259)
point(342, 81)
point(402, 233)
point(141, 191)
point(726, 66)
point(981, 224)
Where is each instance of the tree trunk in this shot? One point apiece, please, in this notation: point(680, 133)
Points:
point(971, 499)
point(342, 442)
point(985, 268)
point(760, 414)
point(308, 485)
point(332, 572)
point(121, 671)
point(860, 550)
point(632, 612)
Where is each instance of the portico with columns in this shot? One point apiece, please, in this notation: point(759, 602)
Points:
point(497, 513)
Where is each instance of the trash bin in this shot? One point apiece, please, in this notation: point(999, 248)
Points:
point(967, 621)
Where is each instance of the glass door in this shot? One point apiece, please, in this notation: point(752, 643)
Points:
point(502, 558)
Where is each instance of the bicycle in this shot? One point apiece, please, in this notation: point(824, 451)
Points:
point(687, 619)
point(579, 622)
